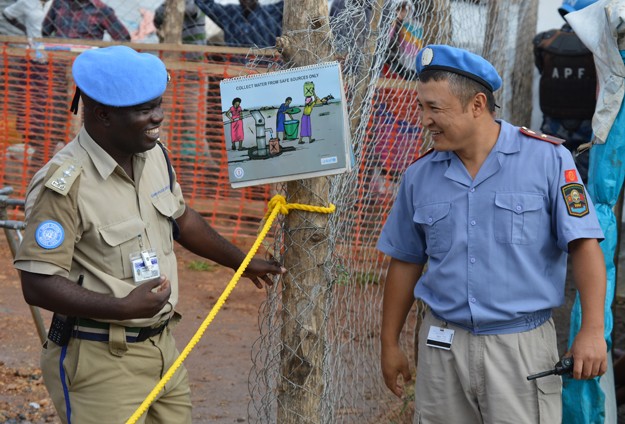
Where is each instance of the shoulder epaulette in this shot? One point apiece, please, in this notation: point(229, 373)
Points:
point(427, 152)
point(540, 136)
point(65, 175)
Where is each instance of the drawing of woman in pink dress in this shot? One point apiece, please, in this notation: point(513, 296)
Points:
point(236, 123)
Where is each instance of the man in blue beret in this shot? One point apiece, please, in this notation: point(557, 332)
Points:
point(507, 209)
point(98, 251)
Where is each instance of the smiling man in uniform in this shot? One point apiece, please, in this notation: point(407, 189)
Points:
point(98, 249)
point(489, 210)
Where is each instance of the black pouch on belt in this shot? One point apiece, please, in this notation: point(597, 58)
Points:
point(61, 329)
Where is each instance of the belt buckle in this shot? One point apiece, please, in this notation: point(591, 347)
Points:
point(147, 332)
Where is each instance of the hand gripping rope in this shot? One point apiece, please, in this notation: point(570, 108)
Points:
point(276, 205)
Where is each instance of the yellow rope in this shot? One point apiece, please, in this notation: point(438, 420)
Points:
point(276, 205)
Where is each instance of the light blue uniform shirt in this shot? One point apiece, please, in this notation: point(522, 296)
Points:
point(497, 244)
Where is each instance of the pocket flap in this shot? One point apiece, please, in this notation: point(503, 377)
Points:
point(519, 203)
point(166, 203)
point(430, 214)
point(549, 385)
point(120, 232)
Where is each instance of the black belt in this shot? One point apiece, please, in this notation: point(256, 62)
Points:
point(88, 329)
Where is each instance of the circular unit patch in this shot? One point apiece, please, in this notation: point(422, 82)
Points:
point(49, 234)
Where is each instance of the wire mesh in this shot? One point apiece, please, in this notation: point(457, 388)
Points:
point(317, 341)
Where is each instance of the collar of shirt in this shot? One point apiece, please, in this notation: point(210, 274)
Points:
point(102, 161)
point(507, 143)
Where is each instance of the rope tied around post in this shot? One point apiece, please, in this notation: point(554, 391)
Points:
point(279, 201)
point(276, 205)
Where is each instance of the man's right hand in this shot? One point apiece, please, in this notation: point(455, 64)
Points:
point(147, 299)
point(394, 364)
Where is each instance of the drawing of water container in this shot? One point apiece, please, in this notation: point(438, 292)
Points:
point(291, 129)
point(309, 89)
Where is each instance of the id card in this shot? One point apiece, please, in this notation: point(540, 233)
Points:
point(144, 266)
point(440, 338)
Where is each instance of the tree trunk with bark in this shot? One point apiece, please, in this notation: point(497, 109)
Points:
point(171, 31)
point(305, 41)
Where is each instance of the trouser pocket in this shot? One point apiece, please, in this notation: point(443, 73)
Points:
point(549, 399)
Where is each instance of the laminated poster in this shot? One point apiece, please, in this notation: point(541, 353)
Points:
point(286, 125)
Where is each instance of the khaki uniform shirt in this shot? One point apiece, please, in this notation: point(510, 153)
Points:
point(105, 217)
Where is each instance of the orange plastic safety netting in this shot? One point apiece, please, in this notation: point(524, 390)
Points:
point(35, 120)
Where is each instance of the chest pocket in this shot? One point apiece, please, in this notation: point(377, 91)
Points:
point(435, 221)
point(122, 240)
point(517, 217)
point(166, 204)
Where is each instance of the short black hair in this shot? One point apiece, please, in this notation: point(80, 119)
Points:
point(462, 87)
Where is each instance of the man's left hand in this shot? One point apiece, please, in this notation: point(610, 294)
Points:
point(259, 269)
point(589, 351)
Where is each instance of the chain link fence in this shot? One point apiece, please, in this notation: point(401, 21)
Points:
point(317, 357)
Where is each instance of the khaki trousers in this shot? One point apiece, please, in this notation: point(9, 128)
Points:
point(106, 382)
point(483, 378)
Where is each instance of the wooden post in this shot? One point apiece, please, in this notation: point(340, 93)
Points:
point(494, 44)
point(305, 286)
point(171, 32)
point(518, 108)
point(437, 22)
point(523, 69)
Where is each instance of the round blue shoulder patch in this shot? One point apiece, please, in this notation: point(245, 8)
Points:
point(49, 234)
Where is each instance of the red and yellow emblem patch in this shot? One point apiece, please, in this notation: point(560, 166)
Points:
point(570, 175)
point(575, 199)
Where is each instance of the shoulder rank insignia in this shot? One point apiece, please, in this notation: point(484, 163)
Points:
point(63, 178)
point(575, 199)
point(427, 152)
point(540, 136)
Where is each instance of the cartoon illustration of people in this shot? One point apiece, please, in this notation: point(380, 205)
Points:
point(306, 126)
point(280, 117)
point(236, 123)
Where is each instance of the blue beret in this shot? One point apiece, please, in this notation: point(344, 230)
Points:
point(574, 5)
point(119, 76)
point(458, 61)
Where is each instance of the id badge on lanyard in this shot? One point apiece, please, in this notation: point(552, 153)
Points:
point(440, 338)
point(145, 264)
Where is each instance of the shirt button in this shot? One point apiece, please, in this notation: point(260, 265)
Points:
point(473, 222)
point(472, 300)
point(518, 207)
point(472, 260)
point(430, 220)
point(472, 189)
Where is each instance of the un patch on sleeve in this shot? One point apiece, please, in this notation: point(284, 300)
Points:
point(49, 234)
point(575, 199)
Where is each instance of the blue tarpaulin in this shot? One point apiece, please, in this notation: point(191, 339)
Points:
point(584, 401)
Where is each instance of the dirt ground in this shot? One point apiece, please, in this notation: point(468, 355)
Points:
point(218, 365)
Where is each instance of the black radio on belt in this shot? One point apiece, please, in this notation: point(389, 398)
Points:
point(61, 327)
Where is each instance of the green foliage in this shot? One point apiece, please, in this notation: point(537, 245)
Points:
point(361, 278)
point(201, 266)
